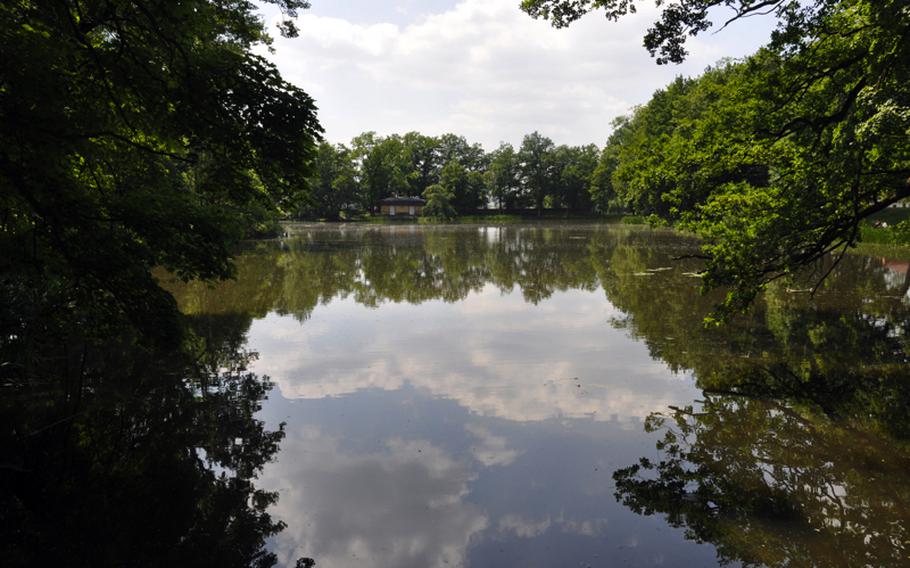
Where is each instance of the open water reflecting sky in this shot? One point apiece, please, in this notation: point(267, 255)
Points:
point(462, 396)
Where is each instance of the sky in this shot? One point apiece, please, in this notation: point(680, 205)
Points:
point(481, 68)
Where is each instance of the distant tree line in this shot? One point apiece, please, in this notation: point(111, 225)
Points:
point(454, 175)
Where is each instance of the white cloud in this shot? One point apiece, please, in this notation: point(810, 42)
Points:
point(501, 358)
point(490, 449)
point(524, 527)
point(401, 506)
point(481, 68)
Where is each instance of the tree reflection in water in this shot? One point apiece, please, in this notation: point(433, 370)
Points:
point(798, 455)
point(772, 484)
point(122, 455)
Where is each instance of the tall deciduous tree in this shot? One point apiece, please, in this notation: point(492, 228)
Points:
point(137, 134)
point(537, 171)
point(422, 154)
point(383, 169)
point(439, 203)
point(604, 196)
point(501, 177)
point(455, 179)
point(333, 185)
point(574, 167)
point(454, 147)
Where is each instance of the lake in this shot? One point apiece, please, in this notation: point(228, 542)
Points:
point(548, 394)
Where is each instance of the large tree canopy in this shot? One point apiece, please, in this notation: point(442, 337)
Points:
point(679, 19)
point(135, 134)
point(775, 160)
point(138, 134)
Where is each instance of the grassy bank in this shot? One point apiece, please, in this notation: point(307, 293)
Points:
point(632, 219)
point(894, 252)
point(890, 227)
point(490, 217)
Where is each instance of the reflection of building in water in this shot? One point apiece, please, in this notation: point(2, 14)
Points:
point(896, 275)
point(491, 235)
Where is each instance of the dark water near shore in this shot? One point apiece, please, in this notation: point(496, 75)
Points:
point(547, 395)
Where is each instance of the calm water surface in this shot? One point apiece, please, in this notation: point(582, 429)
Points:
point(547, 395)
